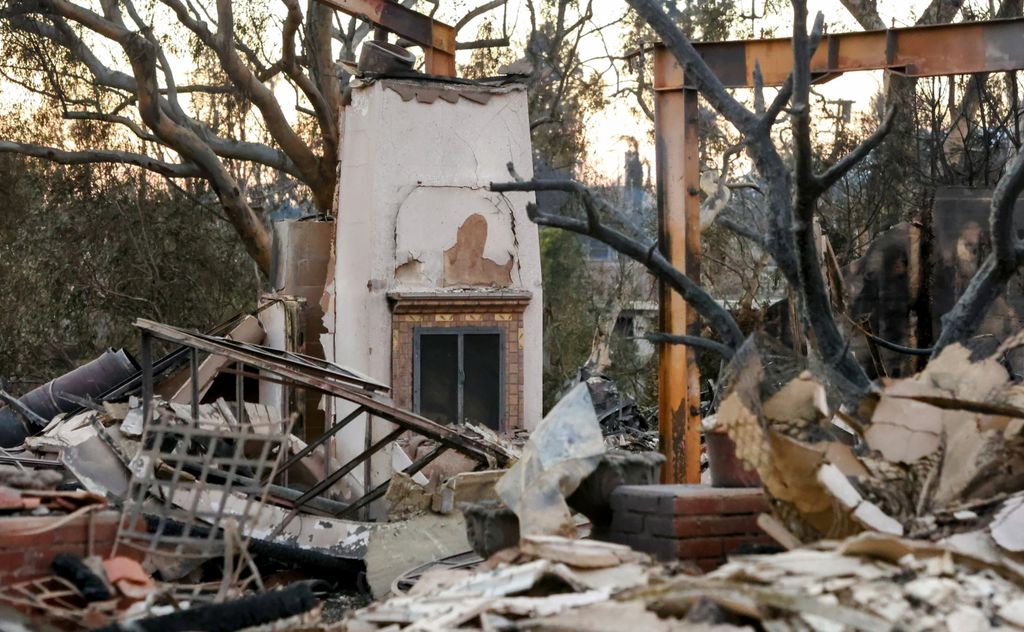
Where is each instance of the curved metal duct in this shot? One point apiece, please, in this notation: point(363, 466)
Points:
point(47, 401)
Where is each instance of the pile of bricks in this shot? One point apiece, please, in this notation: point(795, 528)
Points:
point(28, 544)
point(695, 523)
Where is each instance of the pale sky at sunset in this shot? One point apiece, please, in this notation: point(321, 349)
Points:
point(607, 128)
point(606, 150)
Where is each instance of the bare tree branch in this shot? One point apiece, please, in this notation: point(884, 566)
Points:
point(697, 70)
point(495, 42)
point(478, 11)
point(113, 118)
point(718, 317)
point(320, 177)
point(859, 153)
point(325, 116)
point(690, 341)
point(94, 156)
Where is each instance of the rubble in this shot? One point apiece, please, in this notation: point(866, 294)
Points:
point(196, 484)
point(624, 425)
point(562, 450)
point(870, 582)
point(62, 395)
point(923, 448)
point(900, 511)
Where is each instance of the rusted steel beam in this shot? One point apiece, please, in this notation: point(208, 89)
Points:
point(679, 239)
point(691, 259)
point(436, 38)
point(316, 443)
point(917, 51)
point(341, 472)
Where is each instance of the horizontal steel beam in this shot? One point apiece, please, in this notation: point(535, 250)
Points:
point(918, 51)
point(437, 38)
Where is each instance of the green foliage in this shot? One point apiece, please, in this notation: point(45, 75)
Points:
point(571, 310)
point(635, 373)
point(85, 251)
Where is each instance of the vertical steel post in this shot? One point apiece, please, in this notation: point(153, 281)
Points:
point(678, 175)
point(240, 393)
point(193, 374)
point(147, 377)
point(691, 171)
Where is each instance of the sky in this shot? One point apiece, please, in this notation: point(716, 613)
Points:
point(607, 129)
point(606, 149)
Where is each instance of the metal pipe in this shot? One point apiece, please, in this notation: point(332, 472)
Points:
point(48, 401)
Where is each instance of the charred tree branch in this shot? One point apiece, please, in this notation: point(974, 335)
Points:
point(94, 156)
point(690, 341)
point(646, 254)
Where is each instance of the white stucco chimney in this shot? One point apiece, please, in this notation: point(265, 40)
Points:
point(423, 247)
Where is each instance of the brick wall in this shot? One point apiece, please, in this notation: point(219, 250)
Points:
point(690, 522)
point(28, 556)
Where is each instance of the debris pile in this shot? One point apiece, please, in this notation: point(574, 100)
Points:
point(903, 510)
point(872, 582)
point(938, 456)
point(624, 425)
point(210, 502)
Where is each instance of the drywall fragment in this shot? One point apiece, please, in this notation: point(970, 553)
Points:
point(837, 485)
point(1013, 612)
point(579, 553)
point(932, 590)
point(954, 372)
point(1007, 528)
point(800, 398)
point(869, 515)
point(395, 547)
point(614, 616)
point(563, 450)
point(778, 531)
point(904, 430)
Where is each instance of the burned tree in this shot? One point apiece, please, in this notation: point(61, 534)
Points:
point(790, 195)
point(120, 67)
